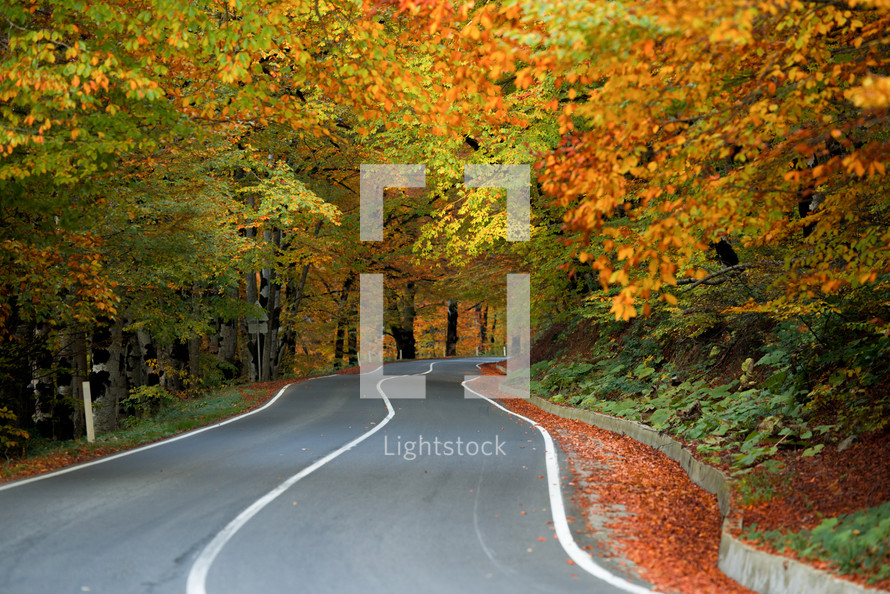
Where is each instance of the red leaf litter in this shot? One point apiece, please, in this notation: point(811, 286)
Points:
point(828, 485)
point(669, 528)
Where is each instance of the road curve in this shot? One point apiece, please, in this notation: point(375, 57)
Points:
point(322, 491)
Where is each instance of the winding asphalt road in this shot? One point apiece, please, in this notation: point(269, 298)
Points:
point(316, 492)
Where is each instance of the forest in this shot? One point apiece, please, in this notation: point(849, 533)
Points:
point(710, 214)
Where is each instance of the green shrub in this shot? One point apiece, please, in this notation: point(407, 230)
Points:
point(857, 543)
point(12, 438)
point(148, 400)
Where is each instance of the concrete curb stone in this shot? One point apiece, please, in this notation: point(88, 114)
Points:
point(752, 568)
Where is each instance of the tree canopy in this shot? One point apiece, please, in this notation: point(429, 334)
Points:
point(183, 168)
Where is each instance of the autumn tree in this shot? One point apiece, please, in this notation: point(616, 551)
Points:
point(681, 123)
point(97, 101)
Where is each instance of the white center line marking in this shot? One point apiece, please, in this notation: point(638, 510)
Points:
point(198, 575)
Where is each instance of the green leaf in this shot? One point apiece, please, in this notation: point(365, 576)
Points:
point(813, 450)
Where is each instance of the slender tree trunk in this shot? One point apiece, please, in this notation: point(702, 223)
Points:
point(135, 371)
point(179, 363)
point(482, 319)
point(451, 330)
point(252, 297)
point(227, 352)
point(254, 366)
point(266, 301)
point(273, 308)
point(405, 312)
point(294, 296)
point(64, 382)
point(151, 375)
point(292, 299)
point(274, 329)
point(342, 318)
point(195, 371)
point(338, 344)
point(81, 374)
point(100, 374)
point(40, 395)
point(265, 330)
point(352, 335)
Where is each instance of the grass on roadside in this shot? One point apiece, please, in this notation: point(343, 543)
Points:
point(177, 417)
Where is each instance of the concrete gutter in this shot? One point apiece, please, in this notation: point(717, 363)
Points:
point(752, 568)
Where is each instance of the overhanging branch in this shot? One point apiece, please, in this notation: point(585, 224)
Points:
point(711, 279)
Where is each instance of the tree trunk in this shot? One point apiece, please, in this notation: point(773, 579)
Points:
point(79, 355)
point(108, 382)
point(338, 343)
point(266, 299)
point(294, 296)
point(251, 297)
point(254, 366)
point(482, 319)
point(132, 361)
point(227, 352)
point(63, 427)
point(179, 361)
point(342, 319)
point(273, 309)
point(352, 336)
point(403, 331)
point(451, 330)
point(151, 375)
point(195, 371)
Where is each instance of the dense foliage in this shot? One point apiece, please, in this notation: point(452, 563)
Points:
point(180, 195)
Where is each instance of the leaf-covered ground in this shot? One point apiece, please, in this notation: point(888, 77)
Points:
point(838, 482)
point(670, 528)
point(667, 527)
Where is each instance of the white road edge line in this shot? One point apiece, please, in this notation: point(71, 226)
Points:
point(191, 433)
point(149, 446)
point(560, 521)
point(198, 574)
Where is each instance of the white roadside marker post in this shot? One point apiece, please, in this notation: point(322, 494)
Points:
point(88, 412)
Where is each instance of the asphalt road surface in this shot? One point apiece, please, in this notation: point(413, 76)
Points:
point(320, 491)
